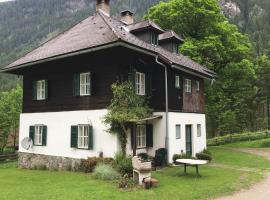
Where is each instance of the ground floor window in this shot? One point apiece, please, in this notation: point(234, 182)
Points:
point(83, 134)
point(38, 135)
point(178, 131)
point(141, 136)
point(199, 130)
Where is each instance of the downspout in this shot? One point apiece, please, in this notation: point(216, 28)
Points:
point(167, 104)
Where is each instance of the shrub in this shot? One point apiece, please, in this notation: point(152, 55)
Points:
point(204, 156)
point(206, 151)
point(89, 164)
point(161, 157)
point(144, 156)
point(105, 172)
point(125, 182)
point(123, 164)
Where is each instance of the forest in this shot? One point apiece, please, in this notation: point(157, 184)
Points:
point(231, 37)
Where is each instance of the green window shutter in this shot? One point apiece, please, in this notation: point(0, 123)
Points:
point(32, 133)
point(132, 132)
point(76, 85)
point(44, 135)
point(132, 76)
point(46, 89)
point(149, 135)
point(90, 138)
point(34, 90)
point(148, 82)
point(74, 137)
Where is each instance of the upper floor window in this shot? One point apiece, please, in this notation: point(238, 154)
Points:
point(197, 86)
point(141, 136)
point(140, 83)
point(85, 84)
point(188, 85)
point(154, 38)
point(177, 81)
point(175, 48)
point(40, 90)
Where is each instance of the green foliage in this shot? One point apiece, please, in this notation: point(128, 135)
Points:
point(125, 182)
point(203, 156)
point(88, 165)
point(215, 43)
point(126, 108)
point(105, 172)
point(261, 143)
point(180, 156)
point(10, 109)
point(123, 164)
point(231, 138)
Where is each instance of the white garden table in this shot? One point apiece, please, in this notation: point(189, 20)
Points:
point(192, 163)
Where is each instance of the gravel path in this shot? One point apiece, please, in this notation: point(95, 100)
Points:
point(259, 191)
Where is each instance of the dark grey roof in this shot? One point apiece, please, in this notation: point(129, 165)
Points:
point(168, 35)
point(144, 25)
point(100, 30)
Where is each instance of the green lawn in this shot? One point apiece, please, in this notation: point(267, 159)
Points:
point(217, 179)
point(264, 143)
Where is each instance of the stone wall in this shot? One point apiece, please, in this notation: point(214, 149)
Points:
point(38, 161)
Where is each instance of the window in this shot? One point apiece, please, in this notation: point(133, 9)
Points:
point(41, 90)
point(188, 85)
point(177, 81)
point(154, 38)
point(199, 130)
point(178, 131)
point(38, 135)
point(175, 48)
point(141, 136)
point(85, 84)
point(197, 86)
point(83, 134)
point(140, 83)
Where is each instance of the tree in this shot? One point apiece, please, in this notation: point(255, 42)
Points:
point(125, 109)
point(10, 109)
point(215, 43)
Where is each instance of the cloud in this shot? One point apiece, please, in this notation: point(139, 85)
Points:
point(5, 0)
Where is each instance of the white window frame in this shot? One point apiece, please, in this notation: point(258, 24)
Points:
point(178, 134)
point(38, 135)
point(197, 86)
point(177, 81)
point(140, 83)
point(141, 136)
point(41, 86)
point(199, 130)
point(85, 84)
point(83, 136)
point(188, 85)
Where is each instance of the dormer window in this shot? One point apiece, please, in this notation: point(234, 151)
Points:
point(175, 48)
point(154, 38)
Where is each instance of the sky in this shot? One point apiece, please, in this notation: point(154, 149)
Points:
point(4, 0)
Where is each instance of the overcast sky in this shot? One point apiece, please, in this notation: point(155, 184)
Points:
point(4, 0)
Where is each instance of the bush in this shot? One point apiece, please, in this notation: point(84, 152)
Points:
point(123, 164)
point(206, 151)
point(89, 164)
point(161, 157)
point(180, 156)
point(144, 156)
point(125, 182)
point(204, 156)
point(249, 136)
point(105, 172)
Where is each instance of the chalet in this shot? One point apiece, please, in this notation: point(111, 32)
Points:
point(67, 88)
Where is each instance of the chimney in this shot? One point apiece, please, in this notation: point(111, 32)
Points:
point(103, 5)
point(127, 17)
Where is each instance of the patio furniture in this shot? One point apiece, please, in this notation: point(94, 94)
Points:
point(192, 163)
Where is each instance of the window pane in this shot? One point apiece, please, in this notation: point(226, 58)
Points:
point(199, 130)
point(178, 131)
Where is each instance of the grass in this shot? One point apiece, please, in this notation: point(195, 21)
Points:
point(19, 184)
point(264, 143)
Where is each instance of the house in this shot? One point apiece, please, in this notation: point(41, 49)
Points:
point(67, 88)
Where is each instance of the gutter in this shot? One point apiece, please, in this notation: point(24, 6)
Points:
point(167, 104)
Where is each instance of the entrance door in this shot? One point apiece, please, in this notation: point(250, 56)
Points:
point(188, 140)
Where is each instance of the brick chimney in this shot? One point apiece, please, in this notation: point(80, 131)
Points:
point(103, 5)
point(127, 17)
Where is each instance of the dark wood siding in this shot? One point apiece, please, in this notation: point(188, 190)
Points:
point(106, 67)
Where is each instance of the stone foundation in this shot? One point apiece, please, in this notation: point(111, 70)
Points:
point(38, 161)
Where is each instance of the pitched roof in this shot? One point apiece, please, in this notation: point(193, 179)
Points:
point(97, 31)
point(143, 25)
point(168, 35)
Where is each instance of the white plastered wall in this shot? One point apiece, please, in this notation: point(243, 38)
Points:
point(59, 133)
